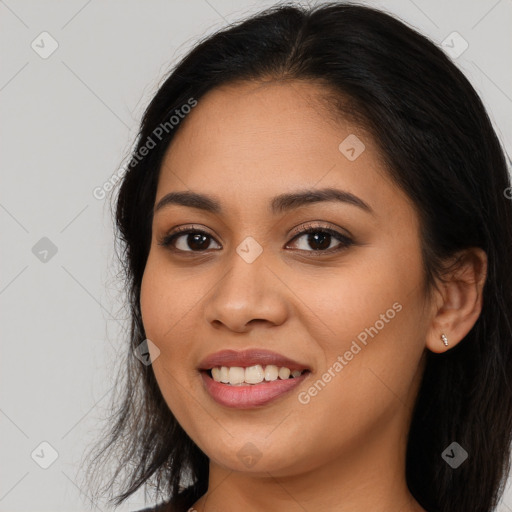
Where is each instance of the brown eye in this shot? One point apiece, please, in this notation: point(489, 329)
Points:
point(318, 239)
point(193, 240)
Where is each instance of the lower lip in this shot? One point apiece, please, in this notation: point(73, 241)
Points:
point(251, 395)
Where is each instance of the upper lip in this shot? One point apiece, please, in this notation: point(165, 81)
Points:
point(249, 357)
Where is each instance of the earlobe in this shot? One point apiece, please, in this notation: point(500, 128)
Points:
point(459, 300)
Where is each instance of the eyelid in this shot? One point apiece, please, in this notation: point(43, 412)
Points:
point(312, 224)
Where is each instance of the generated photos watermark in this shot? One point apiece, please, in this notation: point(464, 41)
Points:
point(158, 133)
point(305, 397)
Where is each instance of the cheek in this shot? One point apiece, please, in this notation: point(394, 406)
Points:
point(370, 361)
point(163, 316)
point(370, 314)
point(160, 307)
point(169, 299)
point(352, 300)
point(151, 301)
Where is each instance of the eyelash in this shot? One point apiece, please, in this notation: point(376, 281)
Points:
point(345, 241)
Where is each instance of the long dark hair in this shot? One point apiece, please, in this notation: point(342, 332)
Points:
point(439, 146)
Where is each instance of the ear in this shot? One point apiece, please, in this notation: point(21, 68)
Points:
point(457, 300)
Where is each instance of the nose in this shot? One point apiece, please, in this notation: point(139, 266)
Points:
point(247, 294)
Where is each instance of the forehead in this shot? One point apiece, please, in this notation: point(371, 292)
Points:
point(245, 120)
point(248, 142)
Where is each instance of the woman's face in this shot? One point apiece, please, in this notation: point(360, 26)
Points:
point(352, 311)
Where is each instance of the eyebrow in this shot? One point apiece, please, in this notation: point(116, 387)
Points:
point(279, 204)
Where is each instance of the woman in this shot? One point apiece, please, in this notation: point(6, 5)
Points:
point(317, 239)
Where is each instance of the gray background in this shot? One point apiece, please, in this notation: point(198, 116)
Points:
point(67, 123)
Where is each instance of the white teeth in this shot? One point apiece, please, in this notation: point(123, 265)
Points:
point(254, 374)
point(271, 372)
point(284, 373)
point(216, 374)
point(238, 376)
point(224, 374)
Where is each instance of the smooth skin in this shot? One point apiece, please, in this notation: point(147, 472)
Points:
point(244, 144)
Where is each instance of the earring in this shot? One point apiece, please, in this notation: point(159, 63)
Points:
point(445, 339)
